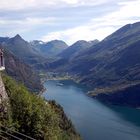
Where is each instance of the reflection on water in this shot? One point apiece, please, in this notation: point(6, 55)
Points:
point(92, 119)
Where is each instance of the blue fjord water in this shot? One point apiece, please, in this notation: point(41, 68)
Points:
point(93, 119)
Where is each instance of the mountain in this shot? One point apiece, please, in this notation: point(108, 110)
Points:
point(69, 54)
point(21, 61)
point(23, 50)
point(116, 57)
point(111, 64)
point(3, 98)
point(36, 53)
point(108, 67)
point(49, 49)
point(22, 72)
point(3, 39)
point(20, 48)
point(76, 48)
point(26, 112)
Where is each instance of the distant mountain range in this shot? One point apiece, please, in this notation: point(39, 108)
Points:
point(49, 49)
point(108, 67)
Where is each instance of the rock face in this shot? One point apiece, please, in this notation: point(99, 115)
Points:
point(3, 96)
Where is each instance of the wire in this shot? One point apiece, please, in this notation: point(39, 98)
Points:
point(3, 137)
point(10, 135)
point(18, 133)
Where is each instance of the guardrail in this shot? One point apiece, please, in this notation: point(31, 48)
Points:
point(7, 133)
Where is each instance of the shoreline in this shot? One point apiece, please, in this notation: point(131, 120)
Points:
point(59, 78)
point(45, 79)
point(42, 91)
point(87, 94)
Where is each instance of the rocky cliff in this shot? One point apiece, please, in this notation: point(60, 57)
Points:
point(3, 98)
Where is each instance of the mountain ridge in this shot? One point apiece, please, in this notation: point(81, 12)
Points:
point(77, 47)
point(111, 62)
point(50, 48)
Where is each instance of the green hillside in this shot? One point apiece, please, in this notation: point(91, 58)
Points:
point(33, 116)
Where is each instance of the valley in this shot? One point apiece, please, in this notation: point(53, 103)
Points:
point(70, 70)
point(107, 67)
point(100, 80)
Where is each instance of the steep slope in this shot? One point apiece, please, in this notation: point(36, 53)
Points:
point(114, 62)
point(19, 47)
point(49, 49)
point(3, 94)
point(31, 115)
point(4, 39)
point(68, 55)
point(22, 72)
point(76, 48)
point(3, 100)
point(23, 50)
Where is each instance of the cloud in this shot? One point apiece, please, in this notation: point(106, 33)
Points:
point(28, 21)
point(128, 9)
point(78, 33)
point(68, 20)
point(10, 27)
point(128, 12)
point(100, 27)
point(36, 4)
point(25, 4)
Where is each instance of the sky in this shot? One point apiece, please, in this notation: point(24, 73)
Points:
point(68, 20)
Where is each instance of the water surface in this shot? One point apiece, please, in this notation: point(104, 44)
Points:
point(93, 119)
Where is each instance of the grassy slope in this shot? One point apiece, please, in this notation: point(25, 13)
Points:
point(35, 117)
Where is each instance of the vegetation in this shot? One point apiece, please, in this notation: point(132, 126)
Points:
point(33, 116)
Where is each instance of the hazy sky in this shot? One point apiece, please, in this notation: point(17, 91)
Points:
point(68, 20)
